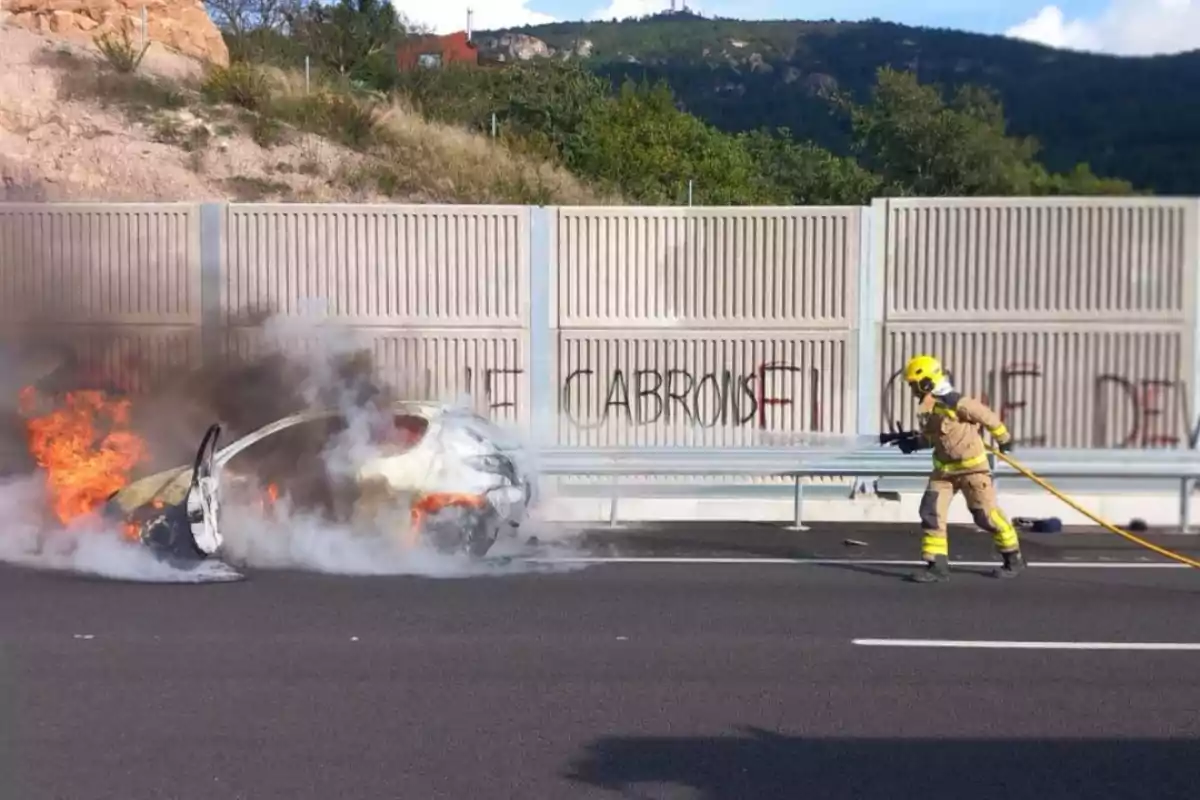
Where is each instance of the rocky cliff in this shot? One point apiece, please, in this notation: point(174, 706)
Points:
point(179, 25)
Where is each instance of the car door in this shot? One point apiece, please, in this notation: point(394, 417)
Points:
point(204, 497)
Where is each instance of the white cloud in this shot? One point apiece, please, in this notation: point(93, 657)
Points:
point(622, 9)
point(1125, 27)
point(447, 16)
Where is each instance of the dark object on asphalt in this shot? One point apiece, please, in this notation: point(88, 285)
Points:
point(1039, 525)
point(1138, 524)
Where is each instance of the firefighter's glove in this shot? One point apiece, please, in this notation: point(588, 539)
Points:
point(1005, 447)
point(909, 444)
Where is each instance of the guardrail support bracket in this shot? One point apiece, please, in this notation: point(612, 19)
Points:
point(798, 506)
point(1187, 486)
point(613, 501)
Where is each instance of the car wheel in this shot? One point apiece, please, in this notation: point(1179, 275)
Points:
point(169, 537)
point(461, 531)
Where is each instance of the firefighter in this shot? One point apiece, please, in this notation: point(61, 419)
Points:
point(949, 423)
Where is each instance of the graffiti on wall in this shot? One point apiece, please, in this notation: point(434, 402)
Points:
point(724, 398)
point(1121, 411)
point(497, 386)
point(643, 396)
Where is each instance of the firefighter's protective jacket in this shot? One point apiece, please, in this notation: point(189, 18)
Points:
point(950, 424)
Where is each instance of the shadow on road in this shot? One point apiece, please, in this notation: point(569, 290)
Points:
point(903, 573)
point(760, 765)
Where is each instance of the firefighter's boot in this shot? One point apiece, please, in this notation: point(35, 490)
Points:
point(935, 571)
point(1014, 564)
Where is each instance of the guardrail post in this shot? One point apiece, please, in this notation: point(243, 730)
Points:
point(1185, 505)
point(210, 280)
point(614, 520)
point(798, 505)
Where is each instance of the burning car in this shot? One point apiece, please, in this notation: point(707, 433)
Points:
point(457, 480)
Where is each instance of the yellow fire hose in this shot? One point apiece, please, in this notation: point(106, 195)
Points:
point(1098, 520)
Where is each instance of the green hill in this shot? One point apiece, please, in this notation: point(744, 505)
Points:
point(1133, 118)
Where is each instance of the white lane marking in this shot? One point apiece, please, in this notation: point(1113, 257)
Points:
point(993, 645)
point(864, 561)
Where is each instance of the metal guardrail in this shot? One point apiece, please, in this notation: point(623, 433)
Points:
point(798, 463)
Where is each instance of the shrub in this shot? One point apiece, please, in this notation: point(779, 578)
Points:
point(240, 84)
point(121, 54)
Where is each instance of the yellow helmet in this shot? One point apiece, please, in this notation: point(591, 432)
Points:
point(923, 373)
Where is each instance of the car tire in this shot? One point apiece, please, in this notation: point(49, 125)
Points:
point(457, 531)
point(169, 537)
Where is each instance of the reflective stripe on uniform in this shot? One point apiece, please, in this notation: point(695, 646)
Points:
point(935, 545)
point(945, 411)
point(955, 466)
point(1005, 536)
point(1000, 431)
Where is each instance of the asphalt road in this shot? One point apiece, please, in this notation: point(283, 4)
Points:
point(734, 679)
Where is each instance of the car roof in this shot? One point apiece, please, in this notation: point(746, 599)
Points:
point(428, 409)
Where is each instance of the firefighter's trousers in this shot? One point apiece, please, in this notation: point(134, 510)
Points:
point(980, 493)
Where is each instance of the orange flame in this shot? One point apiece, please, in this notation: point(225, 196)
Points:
point(84, 463)
point(269, 498)
point(429, 504)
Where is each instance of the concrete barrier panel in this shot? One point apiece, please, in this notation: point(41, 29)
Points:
point(398, 266)
point(124, 264)
point(706, 268)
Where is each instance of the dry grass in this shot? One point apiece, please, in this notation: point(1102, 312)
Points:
point(246, 132)
point(444, 163)
point(73, 128)
point(408, 156)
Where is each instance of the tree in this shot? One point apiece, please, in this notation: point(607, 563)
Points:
point(640, 143)
point(542, 103)
point(920, 145)
point(241, 17)
point(806, 174)
point(1081, 181)
point(257, 30)
point(354, 38)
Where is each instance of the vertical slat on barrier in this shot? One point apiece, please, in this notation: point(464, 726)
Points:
point(542, 222)
point(1192, 239)
point(873, 324)
point(210, 280)
point(870, 307)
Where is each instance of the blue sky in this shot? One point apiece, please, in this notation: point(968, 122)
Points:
point(1126, 27)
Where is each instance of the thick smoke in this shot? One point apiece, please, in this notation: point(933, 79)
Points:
point(91, 547)
point(295, 365)
point(375, 540)
point(258, 368)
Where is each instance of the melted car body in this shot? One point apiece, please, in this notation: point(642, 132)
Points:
point(461, 482)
